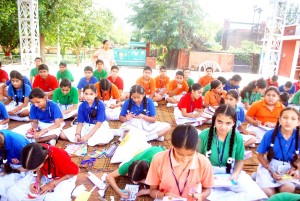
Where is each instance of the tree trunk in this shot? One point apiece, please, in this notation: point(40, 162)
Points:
point(77, 53)
point(173, 58)
point(42, 46)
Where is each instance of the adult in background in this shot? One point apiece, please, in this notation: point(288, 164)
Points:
point(106, 55)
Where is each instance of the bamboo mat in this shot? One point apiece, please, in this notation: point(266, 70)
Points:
point(102, 165)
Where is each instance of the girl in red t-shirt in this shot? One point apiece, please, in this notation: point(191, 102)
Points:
point(53, 177)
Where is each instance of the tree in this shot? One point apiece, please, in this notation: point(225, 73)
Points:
point(78, 22)
point(9, 38)
point(169, 23)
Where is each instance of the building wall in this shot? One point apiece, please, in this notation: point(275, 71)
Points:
point(286, 60)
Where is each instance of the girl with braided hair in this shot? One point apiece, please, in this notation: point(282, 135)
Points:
point(92, 126)
point(223, 146)
point(51, 174)
point(282, 147)
point(11, 145)
point(139, 111)
point(17, 103)
point(110, 95)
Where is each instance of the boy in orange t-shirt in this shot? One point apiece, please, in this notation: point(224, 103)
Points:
point(148, 83)
point(177, 88)
point(208, 78)
point(162, 82)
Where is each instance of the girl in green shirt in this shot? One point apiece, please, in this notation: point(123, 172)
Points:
point(224, 147)
point(253, 92)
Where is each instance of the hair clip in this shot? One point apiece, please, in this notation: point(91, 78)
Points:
point(4, 161)
point(34, 173)
point(230, 160)
point(208, 154)
point(271, 145)
point(297, 152)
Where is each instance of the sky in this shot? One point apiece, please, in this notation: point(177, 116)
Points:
point(217, 10)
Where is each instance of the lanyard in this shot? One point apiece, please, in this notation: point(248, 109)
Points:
point(220, 155)
point(192, 105)
point(177, 183)
point(284, 157)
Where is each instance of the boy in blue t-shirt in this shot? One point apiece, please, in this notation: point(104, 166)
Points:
point(288, 87)
point(87, 79)
point(233, 83)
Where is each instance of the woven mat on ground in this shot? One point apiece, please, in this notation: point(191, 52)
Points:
point(164, 114)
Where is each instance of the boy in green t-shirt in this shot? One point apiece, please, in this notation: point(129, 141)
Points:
point(64, 72)
point(66, 97)
point(187, 78)
point(100, 72)
point(34, 71)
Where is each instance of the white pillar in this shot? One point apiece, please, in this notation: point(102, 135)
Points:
point(272, 41)
point(29, 31)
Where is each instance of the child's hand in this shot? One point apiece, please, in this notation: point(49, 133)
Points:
point(196, 196)
point(15, 161)
point(196, 115)
point(129, 116)
point(256, 123)
point(38, 134)
point(292, 172)
point(251, 133)
point(124, 193)
point(276, 175)
point(113, 106)
point(65, 112)
point(49, 187)
point(12, 112)
point(270, 124)
point(77, 137)
point(140, 116)
point(85, 138)
point(143, 192)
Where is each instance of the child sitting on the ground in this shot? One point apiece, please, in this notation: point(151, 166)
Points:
point(148, 83)
point(109, 94)
point(187, 78)
point(35, 70)
point(262, 115)
point(100, 73)
point(162, 81)
point(190, 109)
point(208, 86)
point(208, 78)
point(176, 89)
point(288, 87)
point(3, 75)
point(87, 79)
point(92, 127)
point(66, 97)
point(17, 103)
point(64, 72)
point(232, 98)
point(118, 81)
point(253, 92)
point(284, 98)
point(139, 111)
point(46, 119)
point(48, 83)
point(233, 83)
point(215, 97)
point(295, 102)
point(273, 81)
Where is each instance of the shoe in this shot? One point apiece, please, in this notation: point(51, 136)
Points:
point(52, 142)
point(74, 122)
point(161, 138)
point(155, 104)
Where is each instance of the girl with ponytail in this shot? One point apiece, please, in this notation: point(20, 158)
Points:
point(253, 92)
point(282, 147)
point(53, 177)
point(223, 145)
point(92, 126)
point(110, 95)
point(11, 145)
point(17, 102)
point(139, 111)
point(136, 169)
